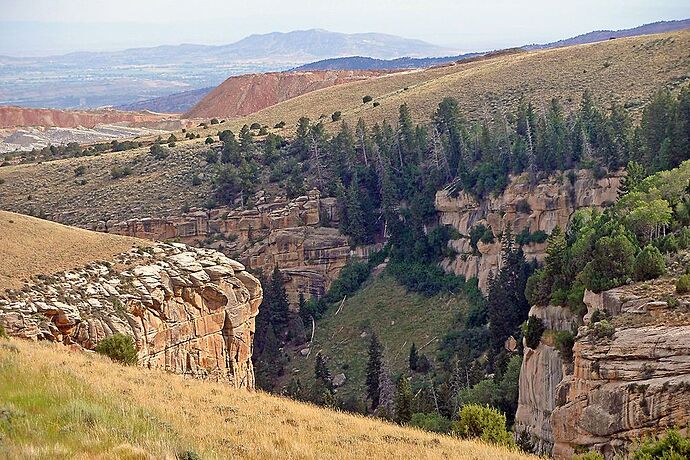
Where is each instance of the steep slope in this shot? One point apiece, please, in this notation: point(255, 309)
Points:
point(624, 383)
point(90, 407)
point(246, 94)
point(383, 307)
point(523, 208)
point(623, 70)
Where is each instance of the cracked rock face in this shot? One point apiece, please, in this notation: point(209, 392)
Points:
point(190, 311)
point(623, 385)
point(541, 207)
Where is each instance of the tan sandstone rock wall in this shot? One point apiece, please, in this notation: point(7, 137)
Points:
point(545, 205)
point(286, 233)
point(191, 311)
point(541, 372)
point(622, 386)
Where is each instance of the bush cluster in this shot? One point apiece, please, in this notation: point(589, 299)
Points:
point(118, 347)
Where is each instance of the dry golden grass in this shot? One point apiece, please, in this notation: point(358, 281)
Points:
point(31, 246)
point(94, 401)
point(621, 70)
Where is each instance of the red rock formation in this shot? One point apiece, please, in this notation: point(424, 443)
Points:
point(246, 94)
point(13, 117)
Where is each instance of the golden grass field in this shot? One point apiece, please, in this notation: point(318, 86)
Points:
point(31, 246)
point(60, 404)
point(626, 70)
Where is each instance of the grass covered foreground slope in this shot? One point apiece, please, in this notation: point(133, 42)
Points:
point(55, 403)
point(383, 307)
point(30, 246)
point(621, 70)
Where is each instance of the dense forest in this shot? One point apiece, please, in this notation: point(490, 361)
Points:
point(385, 178)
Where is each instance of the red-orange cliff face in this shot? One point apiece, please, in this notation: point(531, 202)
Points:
point(246, 94)
point(14, 117)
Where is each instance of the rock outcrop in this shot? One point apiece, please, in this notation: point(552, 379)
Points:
point(284, 233)
point(541, 207)
point(541, 372)
point(190, 311)
point(630, 375)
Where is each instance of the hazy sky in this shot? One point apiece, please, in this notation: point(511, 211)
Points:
point(39, 27)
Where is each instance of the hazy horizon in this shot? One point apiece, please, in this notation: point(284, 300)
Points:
point(43, 27)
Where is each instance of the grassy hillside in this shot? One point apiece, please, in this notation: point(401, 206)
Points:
point(384, 307)
point(621, 70)
point(153, 188)
point(31, 246)
point(60, 404)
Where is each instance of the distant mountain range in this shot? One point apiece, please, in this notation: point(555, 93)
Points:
point(168, 78)
point(120, 78)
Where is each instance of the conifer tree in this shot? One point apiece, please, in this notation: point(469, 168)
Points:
point(280, 306)
point(356, 226)
point(386, 406)
point(374, 371)
point(414, 357)
point(403, 401)
point(322, 373)
point(246, 143)
point(634, 175)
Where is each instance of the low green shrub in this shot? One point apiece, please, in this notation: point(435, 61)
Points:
point(533, 329)
point(431, 422)
point(118, 347)
point(683, 285)
point(482, 422)
point(120, 171)
point(672, 446)
point(649, 264)
point(366, 99)
point(603, 329)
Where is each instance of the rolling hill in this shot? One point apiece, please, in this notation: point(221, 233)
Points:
point(368, 63)
point(626, 71)
point(247, 94)
point(172, 103)
point(32, 246)
point(600, 35)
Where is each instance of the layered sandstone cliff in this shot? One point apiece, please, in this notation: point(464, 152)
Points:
point(190, 311)
point(541, 372)
point(284, 233)
point(539, 207)
point(630, 375)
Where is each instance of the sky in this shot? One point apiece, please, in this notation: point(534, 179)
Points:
point(45, 27)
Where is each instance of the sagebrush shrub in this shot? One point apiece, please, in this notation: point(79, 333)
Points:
point(118, 347)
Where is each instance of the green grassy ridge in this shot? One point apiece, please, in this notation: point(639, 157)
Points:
point(382, 306)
